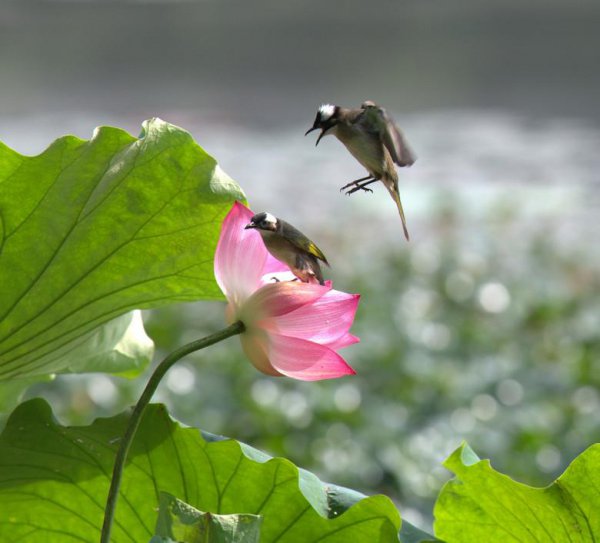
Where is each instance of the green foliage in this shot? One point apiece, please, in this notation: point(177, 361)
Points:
point(178, 521)
point(120, 344)
point(484, 505)
point(93, 229)
point(53, 481)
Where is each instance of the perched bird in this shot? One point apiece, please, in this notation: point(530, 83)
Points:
point(373, 138)
point(290, 246)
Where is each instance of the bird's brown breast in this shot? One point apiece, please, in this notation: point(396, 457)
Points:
point(367, 149)
point(279, 247)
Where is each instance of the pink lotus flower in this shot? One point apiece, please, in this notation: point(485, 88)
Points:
point(292, 328)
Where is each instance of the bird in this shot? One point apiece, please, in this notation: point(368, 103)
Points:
point(290, 246)
point(373, 138)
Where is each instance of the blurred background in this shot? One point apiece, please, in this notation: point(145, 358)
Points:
point(485, 327)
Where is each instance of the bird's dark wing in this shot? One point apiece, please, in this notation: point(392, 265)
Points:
point(395, 143)
point(298, 239)
point(391, 136)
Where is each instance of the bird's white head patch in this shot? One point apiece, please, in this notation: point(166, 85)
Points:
point(326, 111)
point(270, 219)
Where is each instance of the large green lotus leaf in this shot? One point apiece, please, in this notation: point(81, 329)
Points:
point(54, 481)
point(179, 521)
point(117, 344)
point(484, 505)
point(93, 229)
point(335, 500)
point(12, 391)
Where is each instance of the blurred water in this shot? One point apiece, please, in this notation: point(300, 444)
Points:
point(545, 168)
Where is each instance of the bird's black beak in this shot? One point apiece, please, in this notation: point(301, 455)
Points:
point(323, 130)
point(249, 225)
point(320, 136)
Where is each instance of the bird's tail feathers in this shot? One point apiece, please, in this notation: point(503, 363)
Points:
point(318, 274)
point(395, 194)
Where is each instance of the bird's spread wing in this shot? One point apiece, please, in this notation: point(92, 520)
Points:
point(378, 120)
point(396, 144)
point(302, 242)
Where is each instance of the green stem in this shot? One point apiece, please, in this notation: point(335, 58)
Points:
point(138, 411)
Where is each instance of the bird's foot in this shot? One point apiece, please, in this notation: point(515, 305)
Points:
point(358, 187)
point(356, 182)
point(348, 185)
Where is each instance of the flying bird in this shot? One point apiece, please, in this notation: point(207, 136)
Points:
point(374, 139)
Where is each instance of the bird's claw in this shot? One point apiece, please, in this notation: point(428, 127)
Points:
point(358, 184)
point(358, 187)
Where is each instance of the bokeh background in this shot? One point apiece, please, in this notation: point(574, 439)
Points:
point(485, 327)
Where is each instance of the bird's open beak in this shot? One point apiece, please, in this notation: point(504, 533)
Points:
point(249, 225)
point(320, 136)
point(323, 130)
